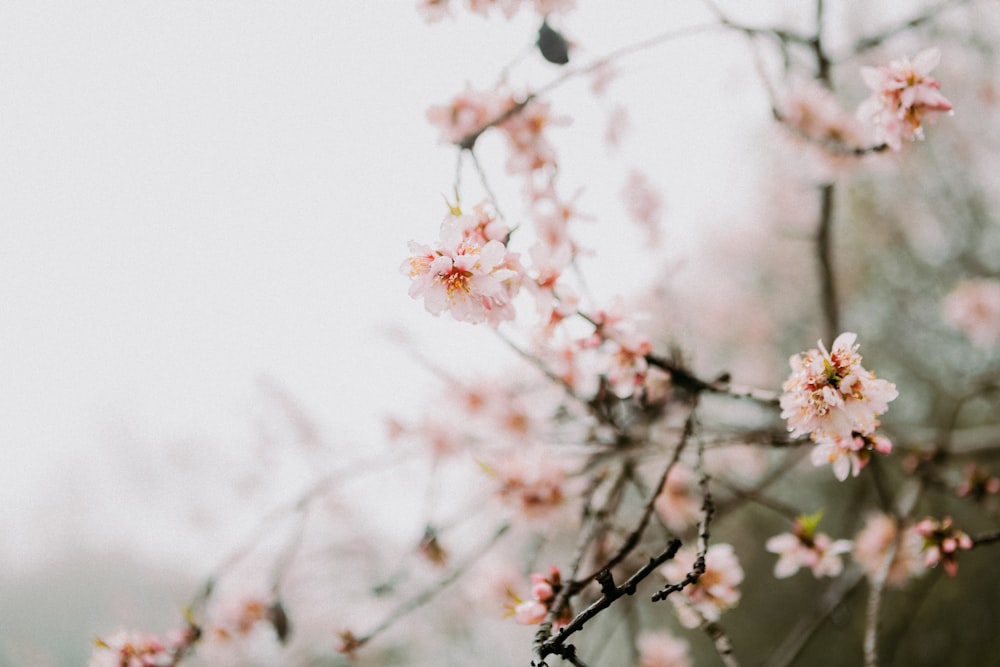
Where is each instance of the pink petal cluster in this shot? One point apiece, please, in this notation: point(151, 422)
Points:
point(470, 273)
point(530, 150)
point(716, 591)
point(831, 397)
point(814, 112)
point(530, 481)
point(872, 543)
point(130, 649)
point(902, 93)
point(679, 505)
point(849, 456)
point(977, 483)
point(942, 540)
point(622, 349)
point(973, 307)
point(468, 112)
point(472, 111)
point(803, 547)
point(659, 649)
point(543, 593)
point(643, 205)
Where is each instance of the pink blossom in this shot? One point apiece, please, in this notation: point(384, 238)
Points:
point(543, 593)
point(849, 456)
point(525, 131)
point(814, 112)
point(130, 649)
point(468, 113)
point(530, 612)
point(872, 544)
point(530, 480)
point(433, 11)
point(830, 395)
point(977, 483)
point(804, 547)
point(474, 281)
point(942, 540)
point(716, 591)
point(973, 307)
point(902, 93)
point(617, 125)
point(659, 649)
point(643, 205)
point(678, 505)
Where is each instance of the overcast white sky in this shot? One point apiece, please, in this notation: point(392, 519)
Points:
point(197, 194)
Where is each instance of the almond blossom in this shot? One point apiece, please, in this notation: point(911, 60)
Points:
point(474, 281)
point(872, 543)
point(643, 205)
point(973, 307)
point(942, 540)
point(679, 505)
point(659, 649)
point(468, 112)
point(130, 649)
point(804, 547)
point(543, 593)
point(716, 590)
point(830, 395)
point(902, 93)
point(849, 456)
point(531, 481)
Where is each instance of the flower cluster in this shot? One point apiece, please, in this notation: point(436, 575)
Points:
point(871, 546)
point(678, 505)
point(902, 93)
point(543, 594)
point(716, 590)
point(942, 540)
point(530, 481)
point(973, 307)
point(470, 273)
point(133, 649)
point(662, 650)
point(804, 547)
point(831, 397)
point(978, 483)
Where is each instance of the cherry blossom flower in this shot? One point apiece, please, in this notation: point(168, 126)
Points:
point(872, 543)
point(623, 349)
point(643, 205)
point(849, 456)
point(973, 307)
point(530, 481)
point(834, 399)
point(468, 113)
point(804, 547)
point(659, 649)
point(543, 593)
point(530, 150)
point(716, 590)
point(130, 649)
point(814, 113)
point(679, 505)
point(433, 11)
point(977, 483)
point(942, 542)
point(474, 281)
point(902, 93)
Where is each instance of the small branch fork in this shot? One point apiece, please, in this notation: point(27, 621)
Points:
point(556, 645)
